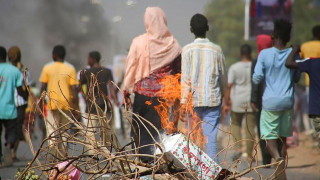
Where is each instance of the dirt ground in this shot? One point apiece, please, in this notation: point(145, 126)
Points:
point(304, 159)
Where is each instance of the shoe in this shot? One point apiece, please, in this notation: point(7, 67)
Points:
point(8, 161)
point(280, 173)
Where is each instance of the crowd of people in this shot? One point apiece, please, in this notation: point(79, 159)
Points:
point(261, 91)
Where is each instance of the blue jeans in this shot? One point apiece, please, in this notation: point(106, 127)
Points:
point(211, 119)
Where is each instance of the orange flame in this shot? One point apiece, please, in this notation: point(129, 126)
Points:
point(169, 110)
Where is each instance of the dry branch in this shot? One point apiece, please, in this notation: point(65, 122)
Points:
point(102, 153)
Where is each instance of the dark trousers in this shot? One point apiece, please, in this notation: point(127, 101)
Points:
point(10, 132)
point(150, 114)
point(266, 157)
point(21, 110)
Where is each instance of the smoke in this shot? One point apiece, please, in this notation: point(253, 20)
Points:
point(38, 25)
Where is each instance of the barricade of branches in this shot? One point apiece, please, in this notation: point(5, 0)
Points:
point(92, 149)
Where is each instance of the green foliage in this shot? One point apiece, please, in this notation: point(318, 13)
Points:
point(305, 15)
point(226, 20)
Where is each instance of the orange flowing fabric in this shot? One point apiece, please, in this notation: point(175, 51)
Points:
point(151, 51)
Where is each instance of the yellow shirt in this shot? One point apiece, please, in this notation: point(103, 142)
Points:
point(310, 49)
point(60, 77)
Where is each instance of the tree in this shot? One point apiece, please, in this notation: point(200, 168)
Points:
point(226, 20)
point(306, 14)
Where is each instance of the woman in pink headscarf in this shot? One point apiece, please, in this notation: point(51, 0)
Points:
point(152, 56)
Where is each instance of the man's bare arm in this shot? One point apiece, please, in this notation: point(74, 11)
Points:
point(43, 87)
point(75, 99)
point(290, 62)
point(113, 93)
point(227, 100)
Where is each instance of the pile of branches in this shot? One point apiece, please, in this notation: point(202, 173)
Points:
point(102, 154)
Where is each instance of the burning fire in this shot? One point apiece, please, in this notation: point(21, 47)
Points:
point(170, 111)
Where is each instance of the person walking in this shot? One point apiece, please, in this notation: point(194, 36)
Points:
point(152, 56)
point(311, 67)
point(10, 80)
point(60, 81)
point(203, 74)
point(238, 97)
point(263, 42)
point(14, 55)
point(98, 80)
point(307, 50)
point(278, 97)
point(311, 49)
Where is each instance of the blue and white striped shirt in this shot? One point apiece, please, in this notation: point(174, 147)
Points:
point(19, 101)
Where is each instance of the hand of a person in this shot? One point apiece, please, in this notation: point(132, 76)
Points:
point(128, 102)
point(226, 109)
point(254, 107)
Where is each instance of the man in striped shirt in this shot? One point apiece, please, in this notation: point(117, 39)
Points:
point(203, 74)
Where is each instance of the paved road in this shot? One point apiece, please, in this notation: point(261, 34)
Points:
point(299, 168)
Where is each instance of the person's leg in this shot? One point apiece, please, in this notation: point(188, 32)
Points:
point(270, 128)
point(145, 132)
point(286, 129)
point(282, 145)
point(250, 132)
point(280, 173)
point(152, 116)
point(211, 119)
point(91, 129)
point(106, 130)
point(272, 145)
point(126, 124)
point(316, 124)
point(236, 121)
point(266, 157)
point(21, 110)
point(135, 128)
point(64, 128)
point(192, 129)
point(306, 123)
point(10, 137)
point(51, 125)
point(42, 125)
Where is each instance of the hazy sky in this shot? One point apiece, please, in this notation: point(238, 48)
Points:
point(25, 23)
point(130, 25)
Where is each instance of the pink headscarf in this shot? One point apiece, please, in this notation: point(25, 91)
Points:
point(263, 41)
point(150, 51)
